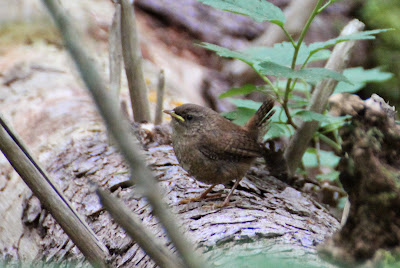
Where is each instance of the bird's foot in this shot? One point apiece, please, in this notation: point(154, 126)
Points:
point(199, 198)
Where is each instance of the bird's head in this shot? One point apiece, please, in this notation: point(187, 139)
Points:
point(190, 118)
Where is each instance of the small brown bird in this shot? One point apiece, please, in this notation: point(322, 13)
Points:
point(211, 148)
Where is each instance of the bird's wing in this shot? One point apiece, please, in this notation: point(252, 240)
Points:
point(232, 146)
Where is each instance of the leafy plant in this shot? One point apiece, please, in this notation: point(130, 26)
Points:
point(284, 68)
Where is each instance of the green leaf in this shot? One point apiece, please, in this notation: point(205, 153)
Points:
point(257, 10)
point(327, 158)
point(279, 115)
point(342, 202)
point(241, 116)
point(310, 116)
point(282, 53)
point(331, 176)
point(312, 75)
point(359, 77)
point(246, 89)
point(300, 87)
point(224, 52)
point(276, 130)
point(314, 47)
point(333, 122)
point(298, 102)
point(249, 104)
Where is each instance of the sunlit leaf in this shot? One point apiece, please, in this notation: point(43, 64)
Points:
point(224, 52)
point(249, 104)
point(282, 53)
point(240, 116)
point(314, 47)
point(327, 158)
point(246, 89)
point(311, 75)
point(276, 130)
point(331, 176)
point(257, 10)
point(333, 122)
point(310, 116)
point(298, 102)
point(359, 77)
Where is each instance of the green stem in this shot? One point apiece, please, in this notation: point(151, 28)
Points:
point(266, 79)
point(278, 98)
point(293, 65)
point(288, 36)
point(337, 147)
point(324, 6)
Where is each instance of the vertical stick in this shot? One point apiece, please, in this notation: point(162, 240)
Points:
point(337, 62)
point(115, 52)
point(160, 98)
point(133, 63)
point(121, 132)
point(51, 198)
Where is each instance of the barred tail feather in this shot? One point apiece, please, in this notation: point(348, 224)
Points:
point(262, 115)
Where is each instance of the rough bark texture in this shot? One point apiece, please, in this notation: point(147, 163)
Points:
point(50, 109)
point(56, 117)
point(370, 175)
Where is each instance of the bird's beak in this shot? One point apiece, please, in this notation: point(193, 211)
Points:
point(173, 114)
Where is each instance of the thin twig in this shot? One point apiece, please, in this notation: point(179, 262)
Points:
point(294, 60)
point(337, 62)
point(133, 63)
point(133, 226)
point(160, 98)
point(51, 197)
point(121, 132)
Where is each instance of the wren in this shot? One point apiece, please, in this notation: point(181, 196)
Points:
point(213, 149)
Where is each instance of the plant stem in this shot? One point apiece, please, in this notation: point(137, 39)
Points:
point(330, 142)
point(266, 79)
point(337, 62)
point(324, 6)
point(297, 46)
point(288, 36)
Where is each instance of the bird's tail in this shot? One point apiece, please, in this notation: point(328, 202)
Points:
point(261, 116)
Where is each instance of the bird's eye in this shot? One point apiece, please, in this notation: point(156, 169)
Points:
point(189, 117)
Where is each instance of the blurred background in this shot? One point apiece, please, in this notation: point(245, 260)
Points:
point(169, 30)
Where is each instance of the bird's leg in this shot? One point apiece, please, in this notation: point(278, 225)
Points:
point(198, 198)
point(226, 201)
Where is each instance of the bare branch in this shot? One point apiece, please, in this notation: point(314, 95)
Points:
point(337, 62)
point(134, 227)
point(121, 132)
point(133, 63)
point(160, 98)
point(115, 52)
point(51, 198)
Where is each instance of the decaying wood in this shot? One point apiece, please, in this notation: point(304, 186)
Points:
point(57, 118)
point(55, 202)
point(265, 215)
point(370, 175)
